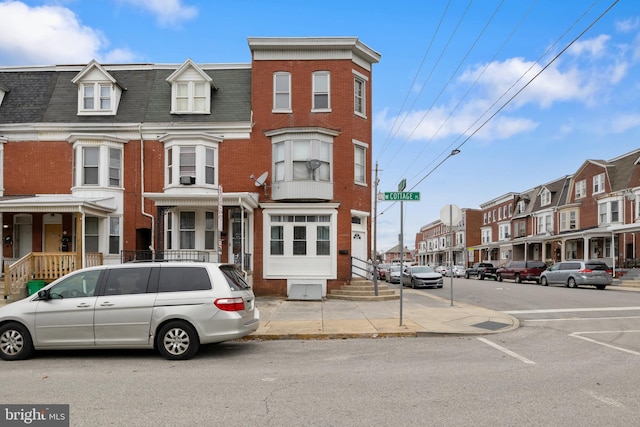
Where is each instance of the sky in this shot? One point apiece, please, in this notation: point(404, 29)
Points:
point(526, 90)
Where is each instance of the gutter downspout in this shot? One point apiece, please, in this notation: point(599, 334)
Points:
point(148, 215)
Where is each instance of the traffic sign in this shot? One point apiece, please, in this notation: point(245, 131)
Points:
point(402, 184)
point(402, 196)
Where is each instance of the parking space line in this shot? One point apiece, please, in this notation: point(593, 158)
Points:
point(606, 400)
point(507, 351)
point(626, 350)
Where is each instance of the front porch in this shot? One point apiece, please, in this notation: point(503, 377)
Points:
point(45, 266)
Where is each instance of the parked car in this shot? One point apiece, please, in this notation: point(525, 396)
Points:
point(521, 271)
point(172, 307)
point(419, 276)
point(577, 273)
point(458, 271)
point(481, 270)
point(393, 275)
point(383, 269)
point(442, 269)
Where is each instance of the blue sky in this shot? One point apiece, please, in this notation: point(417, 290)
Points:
point(453, 74)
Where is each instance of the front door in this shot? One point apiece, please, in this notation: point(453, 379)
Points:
point(52, 237)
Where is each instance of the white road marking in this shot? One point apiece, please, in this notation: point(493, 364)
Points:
point(626, 350)
point(567, 319)
point(570, 310)
point(507, 351)
point(603, 399)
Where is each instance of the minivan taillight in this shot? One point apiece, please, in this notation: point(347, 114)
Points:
point(585, 270)
point(230, 304)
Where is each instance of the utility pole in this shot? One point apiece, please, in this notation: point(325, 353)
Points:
point(374, 222)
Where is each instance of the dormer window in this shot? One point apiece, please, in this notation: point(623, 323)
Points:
point(3, 92)
point(190, 90)
point(98, 92)
point(545, 197)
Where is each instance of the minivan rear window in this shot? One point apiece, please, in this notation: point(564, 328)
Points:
point(596, 266)
point(234, 278)
point(178, 279)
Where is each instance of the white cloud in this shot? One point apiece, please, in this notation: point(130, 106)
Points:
point(627, 25)
point(50, 35)
point(625, 122)
point(167, 12)
point(595, 47)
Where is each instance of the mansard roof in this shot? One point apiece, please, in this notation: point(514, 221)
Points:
point(48, 95)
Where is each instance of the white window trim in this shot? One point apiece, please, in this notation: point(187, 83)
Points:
point(275, 93)
point(581, 189)
point(103, 144)
point(599, 182)
point(191, 96)
point(287, 139)
point(174, 143)
point(364, 147)
point(364, 79)
point(313, 92)
point(96, 110)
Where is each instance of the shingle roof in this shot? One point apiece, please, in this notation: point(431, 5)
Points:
point(50, 97)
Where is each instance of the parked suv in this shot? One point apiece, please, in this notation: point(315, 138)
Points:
point(521, 271)
point(172, 307)
point(575, 273)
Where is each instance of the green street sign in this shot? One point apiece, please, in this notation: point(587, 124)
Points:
point(402, 184)
point(402, 196)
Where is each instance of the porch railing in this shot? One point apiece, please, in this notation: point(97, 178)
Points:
point(47, 266)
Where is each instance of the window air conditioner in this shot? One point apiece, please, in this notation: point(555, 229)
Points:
point(187, 180)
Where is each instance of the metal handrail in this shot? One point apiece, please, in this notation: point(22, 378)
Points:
point(370, 272)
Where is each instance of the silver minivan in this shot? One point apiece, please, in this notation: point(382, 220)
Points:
point(576, 273)
point(170, 306)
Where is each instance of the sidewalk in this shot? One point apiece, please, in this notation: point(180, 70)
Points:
point(423, 314)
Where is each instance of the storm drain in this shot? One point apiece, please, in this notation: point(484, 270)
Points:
point(492, 326)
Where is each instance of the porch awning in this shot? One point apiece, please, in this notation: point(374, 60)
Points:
point(248, 200)
point(58, 203)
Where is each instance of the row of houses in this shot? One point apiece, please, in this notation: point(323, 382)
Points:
point(263, 164)
point(592, 213)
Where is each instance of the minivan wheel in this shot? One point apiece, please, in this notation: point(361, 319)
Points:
point(518, 279)
point(544, 281)
point(572, 283)
point(499, 277)
point(15, 342)
point(177, 340)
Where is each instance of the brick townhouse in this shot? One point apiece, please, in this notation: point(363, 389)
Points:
point(594, 213)
point(264, 164)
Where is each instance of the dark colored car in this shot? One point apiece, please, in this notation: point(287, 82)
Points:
point(521, 271)
point(575, 273)
point(419, 276)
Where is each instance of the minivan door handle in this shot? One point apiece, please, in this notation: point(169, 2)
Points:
point(106, 304)
point(83, 305)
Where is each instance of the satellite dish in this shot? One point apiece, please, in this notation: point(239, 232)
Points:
point(261, 179)
point(313, 164)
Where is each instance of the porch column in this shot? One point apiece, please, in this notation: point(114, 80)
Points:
point(160, 244)
point(79, 238)
point(585, 248)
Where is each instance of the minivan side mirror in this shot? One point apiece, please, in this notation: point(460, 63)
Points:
point(44, 294)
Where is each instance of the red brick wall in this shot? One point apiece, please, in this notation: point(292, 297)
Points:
point(49, 161)
point(341, 118)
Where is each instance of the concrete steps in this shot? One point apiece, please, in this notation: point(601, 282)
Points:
point(364, 290)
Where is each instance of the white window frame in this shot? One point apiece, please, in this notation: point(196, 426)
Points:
point(321, 92)
point(360, 96)
point(581, 189)
point(97, 97)
point(106, 167)
point(279, 93)
point(284, 161)
point(360, 162)
point(205, 148)
point(114, 235)
point(598, 183)
point(197, 98)
point(504, 231)
point(545, 197)
point(545, 223)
